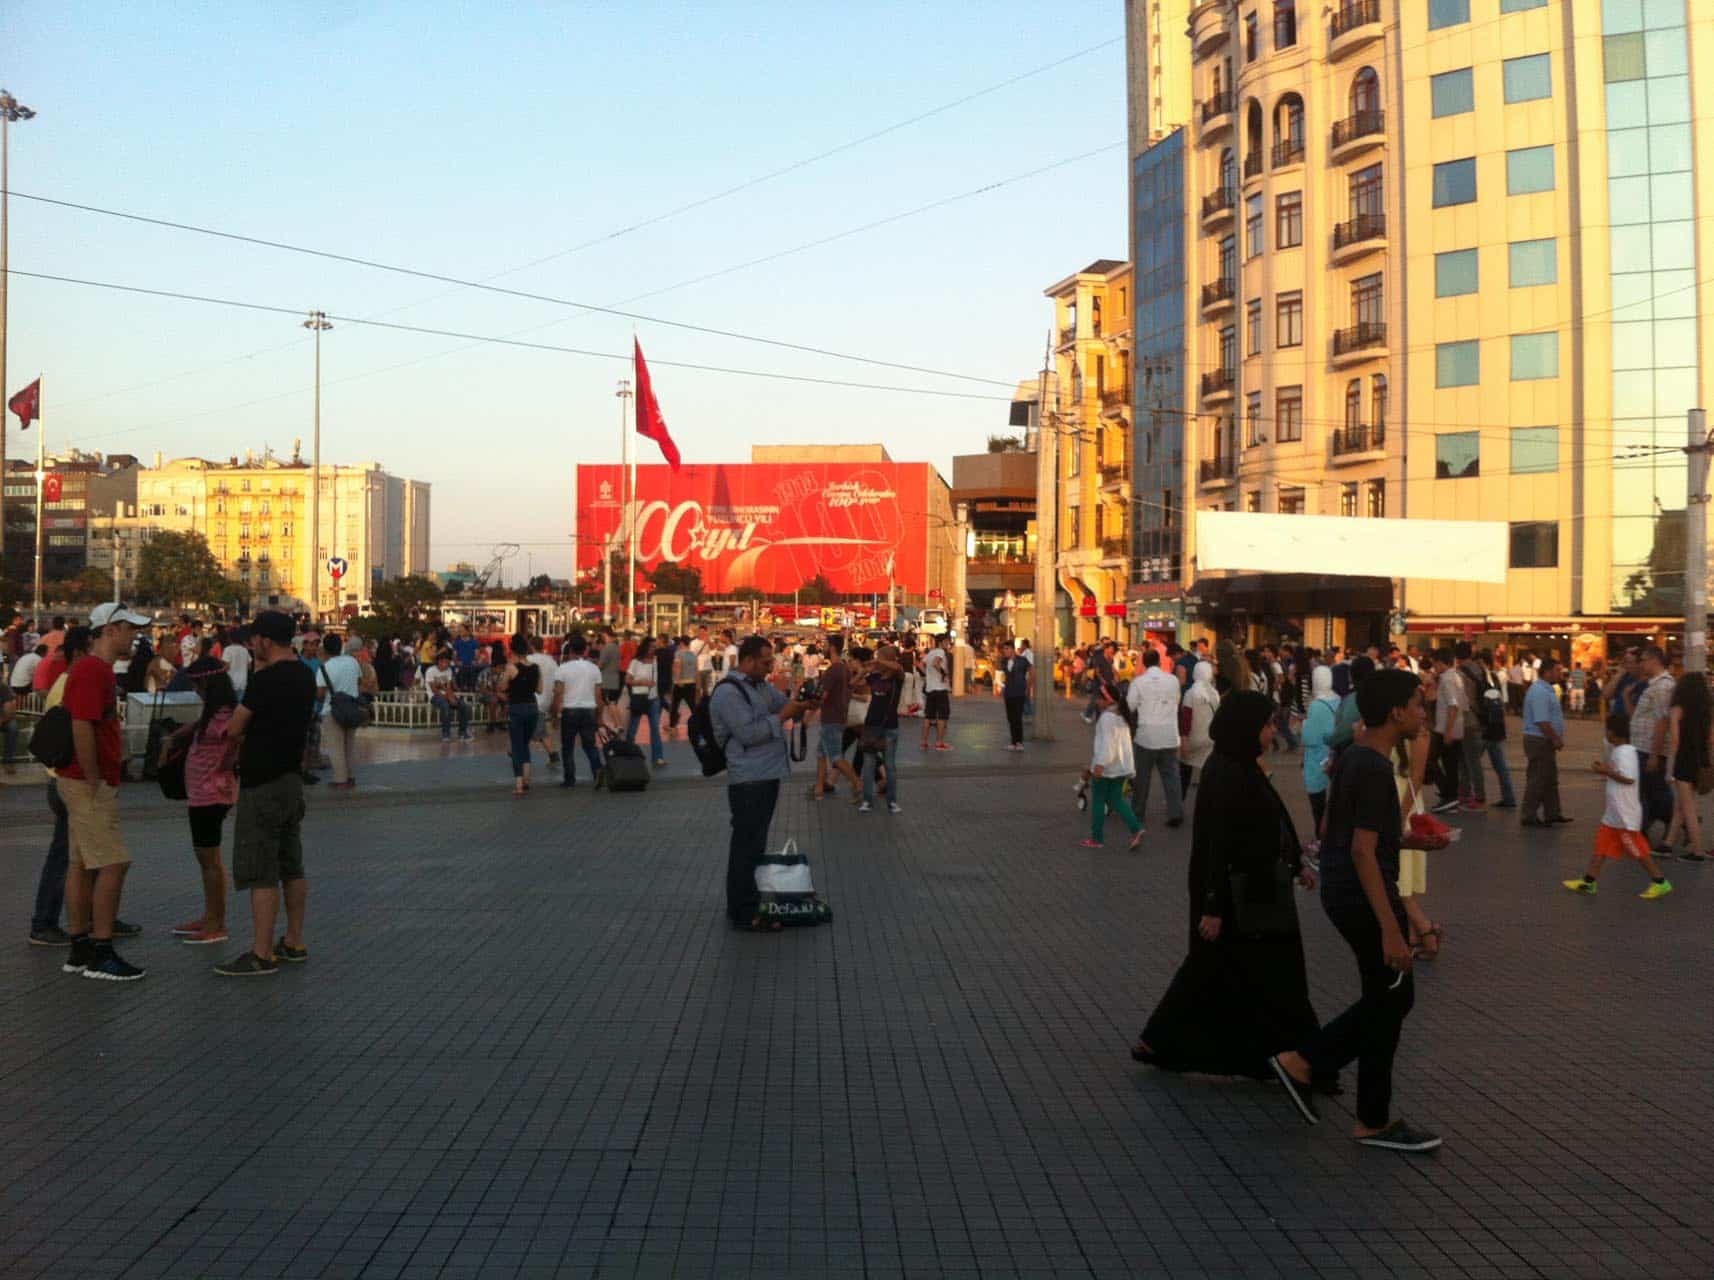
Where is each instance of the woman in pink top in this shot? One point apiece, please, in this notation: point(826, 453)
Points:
point(211, 787)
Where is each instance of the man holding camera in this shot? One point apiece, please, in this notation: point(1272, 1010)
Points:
point(835, 689)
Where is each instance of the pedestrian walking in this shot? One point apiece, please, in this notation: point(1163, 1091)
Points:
point(1687, 746)
point(642, 687)
point(937, 693)
point(1202, 701)
point(547, 724)
point(1153, 701)
point(1653, 705)
point(267, 836)
point(684, 680)
point(1491, 715)
point(1544, 738)
point(341, 678)
point(835, 680)
point(1018, 687)
point(1318, 729)
point(577, 705)
point(516, 685)
point(1620, 834)
point(211, 789)
point(1111, 766)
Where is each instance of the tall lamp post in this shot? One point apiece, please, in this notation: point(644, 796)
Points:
point(318, 322)
point(11, 111)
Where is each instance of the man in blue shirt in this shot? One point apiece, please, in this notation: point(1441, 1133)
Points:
point(1544, 738)
point(464, 658)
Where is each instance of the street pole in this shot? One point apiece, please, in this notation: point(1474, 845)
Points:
point(41, 502)
point(11, 111)
point(319, 324)
point(1696, 545)
point(630, 491)
point(1047, 520)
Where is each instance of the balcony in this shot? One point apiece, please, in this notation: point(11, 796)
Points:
point(1215, 471)
point(1208, 29)
point(1068, 335)
point(1363, 341)
point(1353, 25)
point(1218, 384)
point(1114, 403)
point(1114, 477)
point(1253, 165)
point(1219, 295)
point(1219, 206)
point(1363, 234)
point(1287, 152)
point(1356, 133)
point(1217, 114)
point(1358, 443)
point(1115, 548)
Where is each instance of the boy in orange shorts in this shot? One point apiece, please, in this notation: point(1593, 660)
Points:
point(1620, 834)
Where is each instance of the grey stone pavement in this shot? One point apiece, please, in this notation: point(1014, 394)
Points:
point(526, 1045)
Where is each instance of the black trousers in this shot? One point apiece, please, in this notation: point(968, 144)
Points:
point(1369, 1030)
point(752, 805)
point(683, 695)
point(1015, 718)
point(577, 724)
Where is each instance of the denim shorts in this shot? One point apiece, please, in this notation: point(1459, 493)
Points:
point(832, 742)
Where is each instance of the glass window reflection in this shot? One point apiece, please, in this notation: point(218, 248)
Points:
point(1671, 197)
point(1674, 245)
point(1668, 53)
point(1535, 449)
point(1628, 152)
point(1528, 78)
point(1631, 249)
point(1669, 148)
point(1633, 345)
point(1669, 99)
point(1534, 262)
point(1675, 392)
point(1627, 105)
point(1621, 15)
point(1536, 356)
point(1633, 297)
point(1628, 198)
point(1674, 294)
point(1663, 13)
point(1528, 169)
point(1622, 58)
point(1674, 344)
point(1633, 394)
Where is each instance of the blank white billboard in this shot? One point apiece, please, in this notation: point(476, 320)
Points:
point(1457, 550)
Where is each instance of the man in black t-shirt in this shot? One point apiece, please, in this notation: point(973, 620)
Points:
point(267, 847)
point(1359, 889)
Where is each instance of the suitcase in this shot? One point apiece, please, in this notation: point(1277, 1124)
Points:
point(626, 767)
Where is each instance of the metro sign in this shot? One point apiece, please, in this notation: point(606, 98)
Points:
point(337, 567)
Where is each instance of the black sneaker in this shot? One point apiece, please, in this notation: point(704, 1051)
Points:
point(52, 936)
point(1175, 822)
point(1399, 1136)
point(246, 964)
point(81, 957)
point(125, 929)
point(1300, 1094)
point(600, 779)
point(107, 965)
point(293, 955)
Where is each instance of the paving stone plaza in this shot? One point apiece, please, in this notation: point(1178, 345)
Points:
point(526, 1044)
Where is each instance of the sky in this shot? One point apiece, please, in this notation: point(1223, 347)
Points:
point(469, 140)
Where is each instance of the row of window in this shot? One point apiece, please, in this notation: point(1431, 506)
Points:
point(1528, 170)
point(1367, 497)
point(265, 531)
point(1458, 454)
point(1533, 356)
point(1452, 13)
point(1529, 263)
point(1525, 79)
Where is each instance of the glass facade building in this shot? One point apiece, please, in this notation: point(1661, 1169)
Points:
point(1159, 411)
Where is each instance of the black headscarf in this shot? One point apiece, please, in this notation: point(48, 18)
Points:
point(1237, 725)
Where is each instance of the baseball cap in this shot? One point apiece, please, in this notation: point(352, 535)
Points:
point(102, 614)
point(273, 625)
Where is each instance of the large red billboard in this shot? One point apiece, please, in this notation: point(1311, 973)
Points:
point(773, 526)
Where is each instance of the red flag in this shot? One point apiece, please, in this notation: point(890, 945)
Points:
point(650, 423)
point(53, 487)
point(27, 404)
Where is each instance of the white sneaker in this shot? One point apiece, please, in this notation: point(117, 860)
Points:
point(893, 808)
point(865, 807)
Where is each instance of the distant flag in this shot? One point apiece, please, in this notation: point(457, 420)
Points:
point(27, 404)
point(650, 423)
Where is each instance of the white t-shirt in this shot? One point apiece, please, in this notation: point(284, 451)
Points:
point(646, 673)
point(934, 675)
point(440, 682)
point(581, 680)
point(544, 682)
point(1624, 801)
point(342, 675)
point(811, 665)
point(25, 672)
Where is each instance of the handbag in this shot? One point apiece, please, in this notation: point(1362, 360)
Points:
point(1262, 902)
point(856, 712)
point(170, 776)
point(784, 872)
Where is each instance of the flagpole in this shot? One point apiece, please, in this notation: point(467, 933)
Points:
point(41, 487)
point(628, 486)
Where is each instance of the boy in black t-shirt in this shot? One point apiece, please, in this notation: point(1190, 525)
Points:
point(1359, 889)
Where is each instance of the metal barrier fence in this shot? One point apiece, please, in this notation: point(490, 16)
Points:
point(401, 709)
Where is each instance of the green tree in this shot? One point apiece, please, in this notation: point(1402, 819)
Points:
point(749, 593)
point(178, 568)
point(539, 587)
point(90, 586)
point(818, 590)
point(405, 598)
point(677, 580)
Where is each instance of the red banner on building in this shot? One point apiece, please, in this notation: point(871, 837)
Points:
point(773, 526)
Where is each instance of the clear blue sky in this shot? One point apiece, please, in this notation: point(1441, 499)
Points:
point(470, 139)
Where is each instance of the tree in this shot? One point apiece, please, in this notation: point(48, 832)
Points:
point(676, 580)
point(539, 587)
point(178, 568)
point(405, 598)
point(1005, 444)
point(749, 593)
point(818, 590)
point(91, 586)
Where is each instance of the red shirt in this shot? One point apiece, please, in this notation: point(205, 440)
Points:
point(627, 652)
point(90, 694)
point(47, 671)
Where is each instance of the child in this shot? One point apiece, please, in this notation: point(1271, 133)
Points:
point(1621, 832)
point(1111, 766)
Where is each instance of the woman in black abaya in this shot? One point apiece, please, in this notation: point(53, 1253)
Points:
point(1241, 994)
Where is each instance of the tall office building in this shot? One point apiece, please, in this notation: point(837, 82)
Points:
point(1447, 261)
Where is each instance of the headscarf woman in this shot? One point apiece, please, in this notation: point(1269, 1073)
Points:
point(1203, 702)
point(1318, 728)
point(1241, 994)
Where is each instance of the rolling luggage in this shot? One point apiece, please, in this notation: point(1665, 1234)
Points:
point(626, 767)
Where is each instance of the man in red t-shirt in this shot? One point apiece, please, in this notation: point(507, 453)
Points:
point(89, 789)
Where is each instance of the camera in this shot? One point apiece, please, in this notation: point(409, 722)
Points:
point(809, 691)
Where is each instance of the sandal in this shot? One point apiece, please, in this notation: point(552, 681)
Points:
point(1136, 842)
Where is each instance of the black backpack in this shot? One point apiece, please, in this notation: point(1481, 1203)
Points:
point(51, 742)
point(710, 752)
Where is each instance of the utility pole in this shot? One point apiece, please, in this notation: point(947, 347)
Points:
point(629, 489)
point(1047, 520)
point(41, 505)
point(11, 111)
point(1696, 545)
point(319, 323)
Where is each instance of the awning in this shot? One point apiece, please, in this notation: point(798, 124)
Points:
point(1294, 593)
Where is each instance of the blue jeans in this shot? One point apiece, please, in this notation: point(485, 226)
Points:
point(520, 728)
point(654, 715)
point(448, 711)
point(1497, 758)
point(1164, 761)
point(872, 761)
point(577, 724)
point(50, 889)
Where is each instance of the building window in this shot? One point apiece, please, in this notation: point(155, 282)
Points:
point(1253, 419)
point(1529, 78)
point(1454, 273)
point(1528, 169)
point(1252, 37)
point(1253, 500)
point(1229, 348)
point(1253, 327)
point(1285, 24)
point(1354, 404)
point(1535, 544)
point(1457, 364)
point(1368, 301)
point(1452, 93)
point(244, 486)
point(266, 506)
point(1377, 506)
point(1534, 356)
point(1288, 320)
point(1291, 501)
point(1378, 401)
point(1534, 262)
point(285, 530)
point(1228, 171)
point(1455, 182)
point(1367, 198)
point(1253, 225)
point(1518, 6)
point(1534, 449)
point(1348, 499)
point(1288, 220)
point(1447, 13)
point(1624, 57)
point(1288, 415)
point(1228, 258)
point(1457, 455)
point(1288, 130)
point(1366, 93)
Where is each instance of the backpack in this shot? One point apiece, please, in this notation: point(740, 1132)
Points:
point(51, 742)
point(710, 751)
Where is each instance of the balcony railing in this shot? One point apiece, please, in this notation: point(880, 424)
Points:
point(1067, 335)
point(1219, 291)
point(1361, 125)
point(1111, 547)
point(1115, 473)
point(1222, 201)
point(1219, 380)
point(1365, 226)
point(1359, 439)
point(1288, 151)
point(1368, 333)
point(1219, 467)
point(1219, 105)
point(1352, 14)
point(1117, 399)
point(1253, 164)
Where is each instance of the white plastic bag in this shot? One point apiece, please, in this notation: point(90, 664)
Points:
point(785, 872)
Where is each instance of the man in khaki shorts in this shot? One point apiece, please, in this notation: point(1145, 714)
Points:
point(89, 789)
point(267, 844)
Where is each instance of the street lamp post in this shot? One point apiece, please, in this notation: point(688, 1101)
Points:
point(11, 111)
point(318, 322)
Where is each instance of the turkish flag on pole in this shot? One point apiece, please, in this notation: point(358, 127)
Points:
point(650, 423)
point(27, 404)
